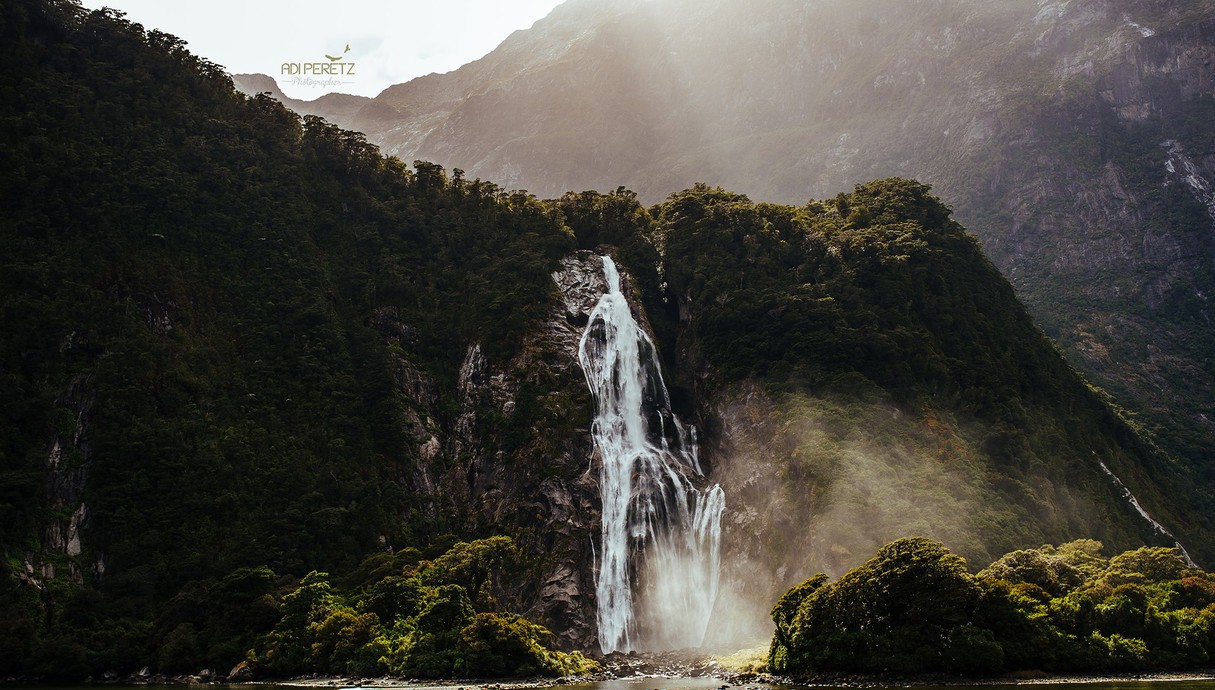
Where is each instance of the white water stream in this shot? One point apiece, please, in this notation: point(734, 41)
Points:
point(659, 549)
point(1130, 498)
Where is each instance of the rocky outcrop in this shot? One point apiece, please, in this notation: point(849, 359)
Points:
point(1110, 218)
point(581, 283)
point(240, 673)
point(516, 456)
point(1180, 57)
point(68, 462)
point(418, 397)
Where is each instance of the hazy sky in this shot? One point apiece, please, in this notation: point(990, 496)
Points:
point(391, 41)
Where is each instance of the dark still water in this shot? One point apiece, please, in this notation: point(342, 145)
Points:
point(646, 683)
point(715, 684)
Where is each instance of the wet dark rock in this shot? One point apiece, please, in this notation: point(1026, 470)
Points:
point(240, 673)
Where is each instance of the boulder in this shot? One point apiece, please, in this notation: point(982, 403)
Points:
point(240, 673)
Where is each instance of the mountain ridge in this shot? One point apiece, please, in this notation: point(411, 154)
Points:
point(1056, 130)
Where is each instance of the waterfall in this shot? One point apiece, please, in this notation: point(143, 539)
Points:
point(1130, 498)
point(659, 548)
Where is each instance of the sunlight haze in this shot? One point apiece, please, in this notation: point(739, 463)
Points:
point(390, 42)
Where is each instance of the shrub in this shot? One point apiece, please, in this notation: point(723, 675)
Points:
point(913, 608)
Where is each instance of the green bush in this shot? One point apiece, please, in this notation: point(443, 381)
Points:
point(784, 614)
point(179, 651)
point(897, 612)
point(500, 645)
point(429, 619)
point(969, 649)
point(913, 608)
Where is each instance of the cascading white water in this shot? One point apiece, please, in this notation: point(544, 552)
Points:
point(1130, 498)
point(658, 564)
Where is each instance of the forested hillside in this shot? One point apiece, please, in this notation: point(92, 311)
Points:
point(205, 302)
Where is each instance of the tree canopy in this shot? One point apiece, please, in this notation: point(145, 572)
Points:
point(915, 608)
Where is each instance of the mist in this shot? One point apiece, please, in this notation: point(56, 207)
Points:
point(818, 484)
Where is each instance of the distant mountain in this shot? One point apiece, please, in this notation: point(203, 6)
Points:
point(1074, 137)
point(332, 106)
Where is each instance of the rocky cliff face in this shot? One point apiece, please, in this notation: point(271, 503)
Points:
point(68, 461)
point(1101, 217)
point(517, 457)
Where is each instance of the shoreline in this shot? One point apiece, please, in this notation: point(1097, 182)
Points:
point(1020, 678)
point(721, 681)
point(751, 680)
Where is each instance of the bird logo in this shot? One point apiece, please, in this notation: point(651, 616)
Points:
point(339, 57)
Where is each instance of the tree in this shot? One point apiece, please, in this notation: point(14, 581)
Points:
point(900, 611)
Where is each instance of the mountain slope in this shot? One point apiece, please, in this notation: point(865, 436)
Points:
point(869, 374)
point(237, 346)
point(231, 339)
point(1072, 137)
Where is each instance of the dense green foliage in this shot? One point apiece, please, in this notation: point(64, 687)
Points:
point(206, 306)
point(879, 283)
point(424, 620)
point(914, 608)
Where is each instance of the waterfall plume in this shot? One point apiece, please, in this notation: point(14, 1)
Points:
point(660, 540)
